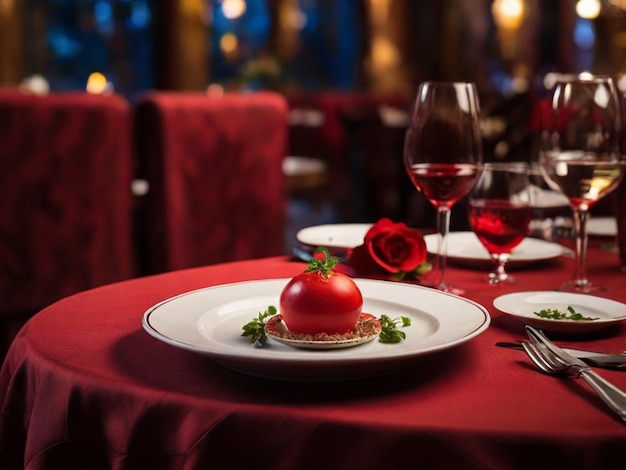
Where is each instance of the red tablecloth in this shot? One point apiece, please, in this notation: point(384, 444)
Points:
point(84, 386)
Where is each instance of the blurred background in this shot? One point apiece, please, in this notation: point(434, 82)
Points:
point(372, 51)
point(347, 68)
point(505, 46)
point(374, 48)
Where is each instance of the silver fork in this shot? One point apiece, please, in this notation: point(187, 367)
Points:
point(550, 363)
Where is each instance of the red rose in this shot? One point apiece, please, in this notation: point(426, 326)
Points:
point(390, 250)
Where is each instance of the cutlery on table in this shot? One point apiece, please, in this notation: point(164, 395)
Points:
point(553, 360)
point(598, 359)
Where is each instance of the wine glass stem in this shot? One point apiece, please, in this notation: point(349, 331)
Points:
point(443, 227)
point(500, 274)
point(580, 239)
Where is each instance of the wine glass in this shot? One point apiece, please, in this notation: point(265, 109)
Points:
point(443, 153)
point(500, 212)
point(580, 153)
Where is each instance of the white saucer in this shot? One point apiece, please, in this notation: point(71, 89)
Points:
point(271, 331)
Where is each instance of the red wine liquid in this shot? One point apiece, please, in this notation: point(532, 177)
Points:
point(443, 184)
point(499, 224)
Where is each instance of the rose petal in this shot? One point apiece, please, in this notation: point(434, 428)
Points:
point(362, 262)
point(383, 225)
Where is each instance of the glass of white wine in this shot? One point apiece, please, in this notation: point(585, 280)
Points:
point(580, 154)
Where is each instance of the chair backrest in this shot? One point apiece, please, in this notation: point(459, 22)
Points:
point(214, 168)
point(65, 200)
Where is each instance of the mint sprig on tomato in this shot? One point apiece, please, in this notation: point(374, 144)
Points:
point(322, 262)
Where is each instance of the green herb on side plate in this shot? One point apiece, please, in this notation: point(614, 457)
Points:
point(556, 314)
point(389, 332)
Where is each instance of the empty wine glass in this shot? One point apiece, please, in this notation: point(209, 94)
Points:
point(443, 153)
point(500, 211)
point(580, 153)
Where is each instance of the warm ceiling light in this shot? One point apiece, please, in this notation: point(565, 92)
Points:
point(297, 19)
point(508, 13)
point(233, 9)
point(618, 3)
point(229, 43)
point(97, 84)
point(588, 9)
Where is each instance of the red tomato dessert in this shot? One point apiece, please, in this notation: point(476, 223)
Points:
point(321, 300)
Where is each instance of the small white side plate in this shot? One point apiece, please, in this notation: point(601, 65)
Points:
point(522, 306)
point(342, 236)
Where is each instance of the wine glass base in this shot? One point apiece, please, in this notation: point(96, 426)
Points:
point(495, 279)
point(442, 286)
point(581, 287)
point(456, 290)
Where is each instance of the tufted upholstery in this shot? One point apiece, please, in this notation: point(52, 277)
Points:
point(214, 166)
point(65, 218)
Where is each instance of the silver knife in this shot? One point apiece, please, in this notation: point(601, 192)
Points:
point(610, 394)
point(607, 360)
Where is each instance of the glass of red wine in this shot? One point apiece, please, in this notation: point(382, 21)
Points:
point(580, 154)
point(500, 212)
point(443, 154)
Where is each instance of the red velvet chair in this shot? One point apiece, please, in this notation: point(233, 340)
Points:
point(329, 125)
point(214, 168)
point(65, 218)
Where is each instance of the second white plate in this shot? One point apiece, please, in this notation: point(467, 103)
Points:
point(465, 248)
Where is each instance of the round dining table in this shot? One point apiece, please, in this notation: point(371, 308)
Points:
point(85, 386)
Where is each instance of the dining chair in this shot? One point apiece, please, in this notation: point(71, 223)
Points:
point(65, 218)
point(213, 165)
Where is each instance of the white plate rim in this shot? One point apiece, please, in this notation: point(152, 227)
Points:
point(285, 362)
point(528, 251)
point(522, 304)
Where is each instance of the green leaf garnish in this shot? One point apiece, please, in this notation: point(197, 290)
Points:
point(322, 262)
point(556, 314)
point(255, 329)
point(389, 332)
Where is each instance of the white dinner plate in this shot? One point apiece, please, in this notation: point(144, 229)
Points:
point(522, 306)
point(602, 226)
point(466, 249)
point(338, 238)
point(209, 321)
